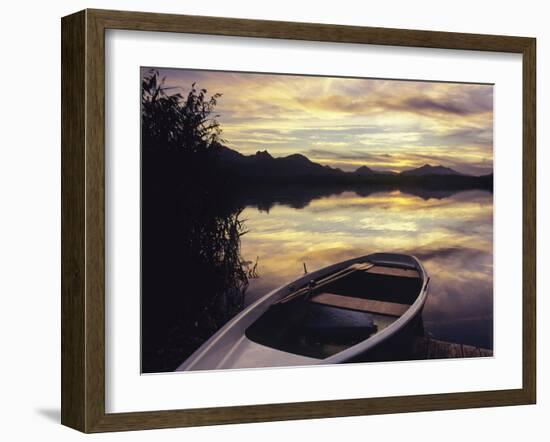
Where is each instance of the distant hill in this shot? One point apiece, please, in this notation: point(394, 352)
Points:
point(262, 164)
point(367, 171)
point(364, 171)
point(261, 167)
point(427, 169)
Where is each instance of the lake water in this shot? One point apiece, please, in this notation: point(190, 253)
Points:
point(451, 233)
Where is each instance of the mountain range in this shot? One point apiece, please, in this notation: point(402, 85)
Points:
point(263, 166)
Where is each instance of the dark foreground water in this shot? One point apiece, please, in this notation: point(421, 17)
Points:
point(451, 233)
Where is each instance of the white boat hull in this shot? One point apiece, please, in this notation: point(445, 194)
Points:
point(230, 348)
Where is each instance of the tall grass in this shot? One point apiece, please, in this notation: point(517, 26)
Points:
point(193, 275)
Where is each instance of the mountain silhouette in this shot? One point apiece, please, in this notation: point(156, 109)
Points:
point(263, 169)
point(364, 170)
point(427, 169)
point(367, 171)
point(263, 165)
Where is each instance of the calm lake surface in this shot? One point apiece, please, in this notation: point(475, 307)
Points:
point(451, 233)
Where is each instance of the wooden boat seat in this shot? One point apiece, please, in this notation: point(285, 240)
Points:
point(393, 271)
point(359, 304)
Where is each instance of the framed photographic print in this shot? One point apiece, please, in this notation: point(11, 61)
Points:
point(271, 220)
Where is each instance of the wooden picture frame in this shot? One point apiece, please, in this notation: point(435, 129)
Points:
point(83, 220)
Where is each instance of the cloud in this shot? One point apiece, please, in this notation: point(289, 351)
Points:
point(349, 122)
point(336, 103)
point(425, 104)
point(464, 101)
point(453, 99)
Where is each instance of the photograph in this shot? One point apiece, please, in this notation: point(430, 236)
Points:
point(293, 220)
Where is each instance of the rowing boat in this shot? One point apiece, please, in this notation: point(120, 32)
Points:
point(333, 315)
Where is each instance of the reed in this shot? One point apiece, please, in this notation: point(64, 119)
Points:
point(193, 275)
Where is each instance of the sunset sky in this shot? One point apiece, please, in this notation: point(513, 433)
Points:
point(347, 123)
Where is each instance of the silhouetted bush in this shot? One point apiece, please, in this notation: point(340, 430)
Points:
point(193, 275)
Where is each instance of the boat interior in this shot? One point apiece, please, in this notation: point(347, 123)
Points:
point(338, 311)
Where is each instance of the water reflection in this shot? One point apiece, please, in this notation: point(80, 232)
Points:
point(451, 232)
